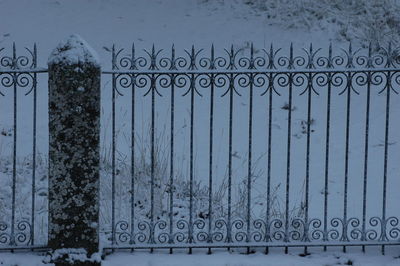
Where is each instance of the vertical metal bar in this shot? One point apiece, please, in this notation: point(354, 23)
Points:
point(14, 172)
point(153, 91)
point(114, 87)
point(34, 147)
point(346, 165)
point(171, 174)
point(327, 142)
point(365, 184)
point(210, 168)
point(229, 236)
point(269, 158)
point(249, 170)
point(191, 161)
point(385, 162)
point(288, 162)
point(132, 160)
point(309, 103)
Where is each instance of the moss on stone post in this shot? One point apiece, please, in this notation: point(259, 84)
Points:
point(74, 153)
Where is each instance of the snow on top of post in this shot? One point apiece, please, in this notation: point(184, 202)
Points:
point(72, 51)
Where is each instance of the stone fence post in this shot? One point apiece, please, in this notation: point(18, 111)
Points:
point(74, 153)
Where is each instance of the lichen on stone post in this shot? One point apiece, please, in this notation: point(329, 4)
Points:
point(74, 152)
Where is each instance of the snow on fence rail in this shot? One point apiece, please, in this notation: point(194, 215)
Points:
point(208, 148)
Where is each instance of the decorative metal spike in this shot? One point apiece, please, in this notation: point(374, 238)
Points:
point(291, 60)
point(113, 57)
point(14, 61)
point(133, 60)
point(369, 62)
point(34, 55)
point(370, 49)
point(330, 63)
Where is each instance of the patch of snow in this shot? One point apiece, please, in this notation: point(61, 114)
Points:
point(74, 51)
point(223, 258)
point(72, 255)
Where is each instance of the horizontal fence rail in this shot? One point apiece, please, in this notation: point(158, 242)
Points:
point(159, 207)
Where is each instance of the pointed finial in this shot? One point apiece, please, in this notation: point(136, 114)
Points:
point(330, 63)
point(14, 55)
point(34, 55)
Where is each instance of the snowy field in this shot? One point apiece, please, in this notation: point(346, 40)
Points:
point(223, 259)
point(183, 23)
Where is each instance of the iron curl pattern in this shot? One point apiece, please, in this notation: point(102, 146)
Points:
point(18, 70)
point(265, 69)
point(299, 232)
point(22, 236)
point(249, 58)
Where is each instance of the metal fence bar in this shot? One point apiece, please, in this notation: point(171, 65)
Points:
point(133, 88)
point(171, 174)
point(34, 90)
point(388, 88)
point(327, 143)
point(365, 170)
point(250, 146)
point(113, 146)
point(270, 91)
point(346, 165)
point(14, 155)
point(289, 138)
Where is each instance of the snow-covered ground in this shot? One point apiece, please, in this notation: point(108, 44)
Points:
point(222, 258)
point(183, 23)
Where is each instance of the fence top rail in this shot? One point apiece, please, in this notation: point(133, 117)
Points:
point(248, 59)
point(249, 71)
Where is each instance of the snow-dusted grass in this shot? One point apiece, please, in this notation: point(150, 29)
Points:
point(376, 21)
point(223, 258)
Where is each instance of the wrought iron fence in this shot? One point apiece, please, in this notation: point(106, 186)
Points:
point(21, 185)
point(296, 181)
point(200, 78)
